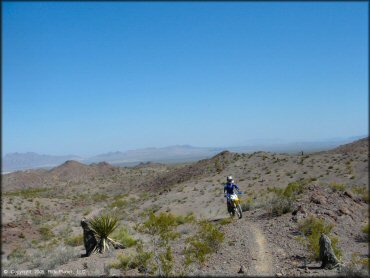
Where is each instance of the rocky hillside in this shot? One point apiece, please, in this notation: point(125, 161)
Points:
point(284, 196)
point(359, 146)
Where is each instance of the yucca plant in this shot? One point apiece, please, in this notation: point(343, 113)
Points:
point(104, 225)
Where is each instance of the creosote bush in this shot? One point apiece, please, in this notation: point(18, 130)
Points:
point(365, 229)
point(311, 230)
point(161, 228)
point(362, 191)
point(247, 204)
point(46, 232)
point(226, 220)
point(205, 241)
point(74, 240)
point(141, 260)
point(123, 237)
point(283, 199)
point(337, 186)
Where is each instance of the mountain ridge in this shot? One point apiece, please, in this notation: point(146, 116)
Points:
point(169, 154)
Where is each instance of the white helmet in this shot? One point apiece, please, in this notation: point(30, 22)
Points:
point(229, 179)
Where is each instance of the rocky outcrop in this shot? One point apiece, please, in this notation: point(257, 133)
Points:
point(327, 256)
point(90, 241)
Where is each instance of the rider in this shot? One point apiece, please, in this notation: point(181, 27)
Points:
point(229, 190)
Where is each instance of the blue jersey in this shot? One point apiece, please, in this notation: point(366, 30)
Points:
point(229, 188)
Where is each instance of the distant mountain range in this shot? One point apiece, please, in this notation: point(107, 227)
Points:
point(172, 154)
point(30, 160)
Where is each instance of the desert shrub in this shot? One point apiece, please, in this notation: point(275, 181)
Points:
point(362, 191)
point(279, 205)
point(103, 225)
point(124, 262)
point(246, 205)
point(46, 232)
point(123, 237)
point(60, 256)
point(50, 259)
point(161, 228)
point(74, 240)
point(152, 209)
point(189, 218)
point(120, 196)
point(118, 203)
point(161, 225)
point(27, 193)
point(206, 241)
point(99, 197)
point(283, 199)
point(337, 186)
point(141, 260)
point(295, 188)
point(167, 262)
point(18, 256)
point(357, 267)
point(86, 211)
point(365, 229)
point(311, 230)
point(226, 220)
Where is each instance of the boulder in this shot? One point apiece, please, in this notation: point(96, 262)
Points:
point(242, 269)
point(327, 256)
point(318, 199)
point(90, 241)
point(344, 210)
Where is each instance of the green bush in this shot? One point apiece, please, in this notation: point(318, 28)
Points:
point(99, 197)
point(365, 229)
point(167, 262)
point(27, 193)
point(141, 260)
point(161, 225)
point(17, 254)
point(279, 205)
point(74, 240)
point(46, 232)
point(124, 262)
point(122, 236)
point(247, 204)
point(337, 186)
point(118, 203)
point(206, 241)
point(283, 199)
point(362, 191)
point(311, 229)
point(226, 220)
point(189, 218)
point(295, 188)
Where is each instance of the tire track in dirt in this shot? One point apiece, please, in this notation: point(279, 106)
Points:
point(244, 244)
point(262, 265)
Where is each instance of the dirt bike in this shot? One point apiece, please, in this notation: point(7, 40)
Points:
point(234, 204)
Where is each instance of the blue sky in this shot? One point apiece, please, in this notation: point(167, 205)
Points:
point(92, 77)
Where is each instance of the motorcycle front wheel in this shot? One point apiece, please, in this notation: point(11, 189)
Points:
point(239, 211)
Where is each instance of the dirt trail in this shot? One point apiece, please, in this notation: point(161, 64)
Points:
point(263, 263)
point(244, 244)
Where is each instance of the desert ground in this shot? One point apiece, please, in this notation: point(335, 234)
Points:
point(42, 210)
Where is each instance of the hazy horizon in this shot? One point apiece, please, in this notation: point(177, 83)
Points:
point(86, 78)
point(251, 143)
